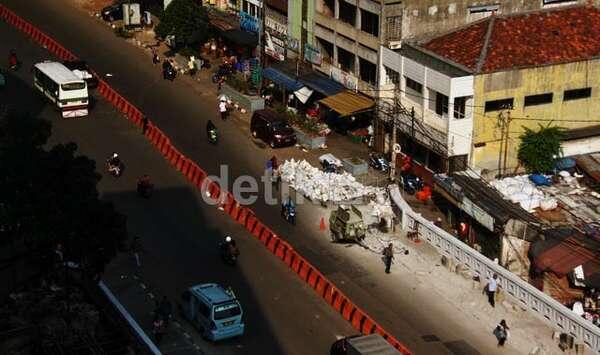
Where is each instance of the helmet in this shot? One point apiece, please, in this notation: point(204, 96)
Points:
point(228, 239)
point(115, 155)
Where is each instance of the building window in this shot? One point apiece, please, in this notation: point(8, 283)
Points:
point(540, 99)
point(393, 28)
point(369, 22)
point(441, 104)
point(413, 85)
point(347, 13)
point(459, 107)
point(368, 71)
point(577, 94)
point(497, 105)
point(392, 76)
point(346, 60)
point(483, 9)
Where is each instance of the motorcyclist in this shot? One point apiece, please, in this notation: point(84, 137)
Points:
point(231, 248)
point(13, 61)
point(210, 127)
point(114, 162)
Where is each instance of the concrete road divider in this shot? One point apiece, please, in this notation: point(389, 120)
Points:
point(225, 200)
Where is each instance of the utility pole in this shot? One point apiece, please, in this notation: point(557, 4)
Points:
point(504, 120)
point(507, 140)
point(394, 149)
point(262, 43)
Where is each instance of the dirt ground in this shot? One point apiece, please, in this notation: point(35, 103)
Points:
point(92, 5)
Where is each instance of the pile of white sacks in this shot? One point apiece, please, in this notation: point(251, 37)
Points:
point(519, 189)
point(318, 185)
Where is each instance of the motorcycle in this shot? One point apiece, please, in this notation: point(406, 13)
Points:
point(288, 212)
point(224, 71)
point(227, 255)
point(411, 183)
point(378, 162)
point(169, 73)
point(212, 136)
point(115, 171)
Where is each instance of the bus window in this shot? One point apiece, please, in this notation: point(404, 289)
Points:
point(73, 86)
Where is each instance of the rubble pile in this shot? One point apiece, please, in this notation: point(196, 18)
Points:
point(321, 186)
point(519, 189)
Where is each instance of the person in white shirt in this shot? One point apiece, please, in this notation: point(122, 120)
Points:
point(223, 109)
point(491, 288)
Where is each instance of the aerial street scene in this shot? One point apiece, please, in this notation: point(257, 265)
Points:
point(273, 177)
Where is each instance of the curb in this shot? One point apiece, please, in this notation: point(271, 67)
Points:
point(223, 199)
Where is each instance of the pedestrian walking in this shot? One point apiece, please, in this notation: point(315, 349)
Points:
point(276, 179)
point(136, 249)
point(223, 109)
point(501, 332)
point(158, 329)
point(155, 57)
point(165, 309)
point(144, 124)
point(388, 257)
point(274, 163)
point(491, 288)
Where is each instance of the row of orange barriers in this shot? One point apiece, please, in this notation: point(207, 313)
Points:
point(224, 199)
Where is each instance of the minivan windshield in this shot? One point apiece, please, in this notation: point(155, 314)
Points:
point(279, 125)
point(73, 86)
point(227, 310)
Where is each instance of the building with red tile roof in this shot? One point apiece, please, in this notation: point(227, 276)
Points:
point(523, 40)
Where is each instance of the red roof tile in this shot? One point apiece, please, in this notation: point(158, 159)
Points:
point(522, 40)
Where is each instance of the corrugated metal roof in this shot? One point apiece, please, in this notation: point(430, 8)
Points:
point(491, 201)
point(563, 249)
point(590, 163)
point(347, 103)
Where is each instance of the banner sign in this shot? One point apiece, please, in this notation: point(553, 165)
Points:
point(312, 54)
point(249, 23)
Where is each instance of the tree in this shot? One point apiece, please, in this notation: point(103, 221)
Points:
point(538, 149)
point(187, 20)
point(49, 196)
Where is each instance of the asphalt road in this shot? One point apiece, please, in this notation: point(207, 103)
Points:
point(182, 111)
point(179, 232)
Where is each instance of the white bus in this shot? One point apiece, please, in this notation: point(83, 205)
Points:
point(61, 86)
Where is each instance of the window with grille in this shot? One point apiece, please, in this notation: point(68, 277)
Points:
point(393, 28)
point(392, 76)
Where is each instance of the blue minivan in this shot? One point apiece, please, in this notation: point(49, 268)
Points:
point(214, 310)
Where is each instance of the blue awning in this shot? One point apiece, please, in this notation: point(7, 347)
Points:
point(322, 84)
point(280, 78)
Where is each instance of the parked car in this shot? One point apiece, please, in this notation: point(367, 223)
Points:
point(112, 13)
point(81, 69)
point(272, 128)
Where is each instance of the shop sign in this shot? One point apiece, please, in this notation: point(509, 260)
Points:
point(346, 79)
point(478, 213)
point(249, 23)
point(275, 25)
point(293, 44)
point(312, 54)
point(275, 47)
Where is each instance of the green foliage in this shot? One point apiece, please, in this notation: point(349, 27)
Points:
point(187, 20)
point(238, 82)
point(49, 196)
point(537, 148)
point(299, 120)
